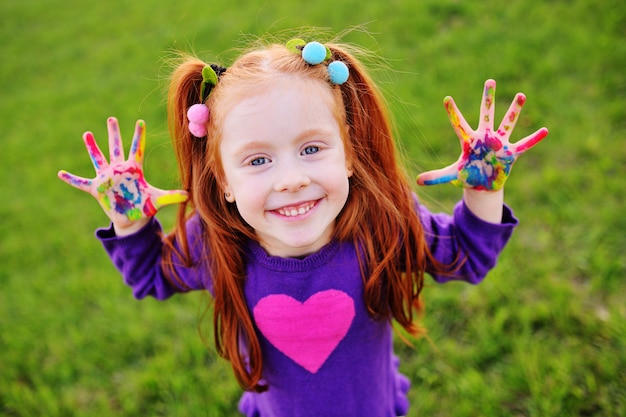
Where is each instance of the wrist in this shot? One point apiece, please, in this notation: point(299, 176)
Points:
point(130, 228)
point(486, 205)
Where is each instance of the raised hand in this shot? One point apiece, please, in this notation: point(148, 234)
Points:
point(487, 155)
point(120, 186)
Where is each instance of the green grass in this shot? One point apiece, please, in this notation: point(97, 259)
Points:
point(544, 335)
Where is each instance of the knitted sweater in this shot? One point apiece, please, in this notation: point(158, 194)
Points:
point(323, 354)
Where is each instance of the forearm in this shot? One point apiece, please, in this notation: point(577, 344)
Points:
point(139, 258)
point(486, 205)
point(467, 244)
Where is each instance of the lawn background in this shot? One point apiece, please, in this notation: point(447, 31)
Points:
point(544, 335)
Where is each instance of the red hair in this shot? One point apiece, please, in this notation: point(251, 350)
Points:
point(393, 252)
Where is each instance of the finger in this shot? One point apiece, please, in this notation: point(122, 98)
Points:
point(171, 197)
point(139, 143)
point(439, 176)
point(510, 119)
point(81, 183)
point(116, 148)
point(487, 106)
point(528, 142)
point(97, 157)
point(459, 124)
point(160, 198)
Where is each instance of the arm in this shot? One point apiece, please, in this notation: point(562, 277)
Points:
point(138, 258)
point(481, 226)
point(134, 240)
point(464, 242)
point(487, 155)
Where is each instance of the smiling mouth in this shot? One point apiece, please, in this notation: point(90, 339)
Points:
point(299, 210)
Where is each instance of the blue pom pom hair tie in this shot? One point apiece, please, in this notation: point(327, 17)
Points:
point(338, 72)
point(314, 53)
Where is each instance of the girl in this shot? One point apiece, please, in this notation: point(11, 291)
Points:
point(298, 219)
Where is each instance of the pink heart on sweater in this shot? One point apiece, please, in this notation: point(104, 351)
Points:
point(306, 332)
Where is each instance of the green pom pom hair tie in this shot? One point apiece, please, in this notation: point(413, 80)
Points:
point(315, 53)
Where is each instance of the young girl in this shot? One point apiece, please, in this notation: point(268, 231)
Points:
point(298, 219)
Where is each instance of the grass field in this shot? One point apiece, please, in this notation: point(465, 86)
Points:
point(544, 335)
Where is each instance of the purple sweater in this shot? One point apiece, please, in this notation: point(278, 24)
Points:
point(323, 354)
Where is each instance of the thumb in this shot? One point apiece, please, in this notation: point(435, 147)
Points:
point(439, 176)
point(165, 198)
point(75, 181)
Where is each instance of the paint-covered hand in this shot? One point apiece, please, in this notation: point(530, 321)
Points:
point(120, 186)
point(487, 155)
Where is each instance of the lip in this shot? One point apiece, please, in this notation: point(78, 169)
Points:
point(295, 211)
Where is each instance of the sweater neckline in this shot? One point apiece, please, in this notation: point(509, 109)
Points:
point(277, 263)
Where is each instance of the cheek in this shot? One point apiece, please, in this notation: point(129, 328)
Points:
point(250, 203)
point(338, 185)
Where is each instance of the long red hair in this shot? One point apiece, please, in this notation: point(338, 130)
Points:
point(379, 216)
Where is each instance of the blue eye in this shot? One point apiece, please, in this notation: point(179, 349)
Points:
point(259, 161)
point(310, 150)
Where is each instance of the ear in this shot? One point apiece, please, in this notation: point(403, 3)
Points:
point(349, 167)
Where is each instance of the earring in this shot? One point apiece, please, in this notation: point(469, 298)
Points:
point(229, 196)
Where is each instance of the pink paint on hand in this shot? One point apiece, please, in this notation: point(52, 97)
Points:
point(524, 145)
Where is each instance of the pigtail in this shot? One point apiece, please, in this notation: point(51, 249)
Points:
point(183, 92)
point(224, 232)
point(394, 253)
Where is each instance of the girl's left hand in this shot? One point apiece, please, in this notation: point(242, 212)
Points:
point(487, 155)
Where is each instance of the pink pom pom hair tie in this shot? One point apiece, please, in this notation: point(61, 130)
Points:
point(198, 114)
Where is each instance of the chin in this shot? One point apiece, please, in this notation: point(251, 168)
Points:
point(295, 248)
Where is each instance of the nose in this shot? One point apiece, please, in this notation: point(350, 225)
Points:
point(291, 177)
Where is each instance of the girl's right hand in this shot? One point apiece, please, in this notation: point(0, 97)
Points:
point(119, 186)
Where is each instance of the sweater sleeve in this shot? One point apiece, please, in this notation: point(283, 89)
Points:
point(463, 241)
point(138, 257)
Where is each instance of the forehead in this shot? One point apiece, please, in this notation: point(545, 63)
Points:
point(278, 108)
point(272, 86)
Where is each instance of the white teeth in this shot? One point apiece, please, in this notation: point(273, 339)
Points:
point(293, 211)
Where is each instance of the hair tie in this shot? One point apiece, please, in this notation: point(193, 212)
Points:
point(198, 114)
point(314, 53)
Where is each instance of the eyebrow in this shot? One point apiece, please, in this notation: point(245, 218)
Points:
point(264, 144)
point(316, 131)
point(250, 146)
